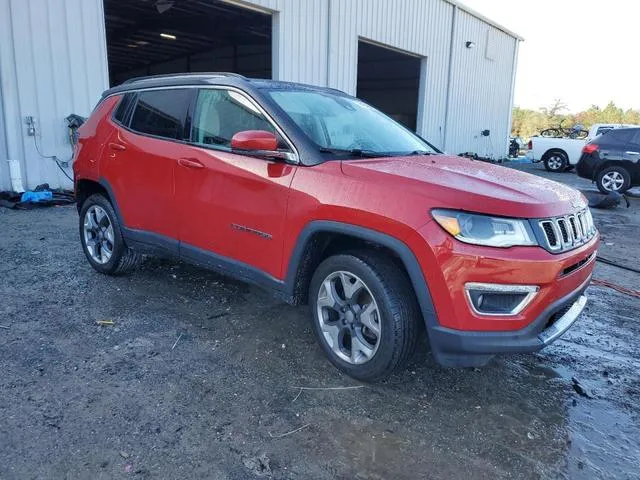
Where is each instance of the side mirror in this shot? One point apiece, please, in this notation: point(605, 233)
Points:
point(259, 143)
point(254, 140)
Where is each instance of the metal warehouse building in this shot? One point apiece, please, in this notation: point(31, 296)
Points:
point(434, 65)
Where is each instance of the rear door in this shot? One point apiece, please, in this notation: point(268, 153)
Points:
point(140, 159)
point(231, 205)
point(632, 150)
point(613, 143)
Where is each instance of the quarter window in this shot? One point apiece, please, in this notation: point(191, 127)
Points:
point(123, 108)
point(161, 113)
point(220, 114)
point(602, 130)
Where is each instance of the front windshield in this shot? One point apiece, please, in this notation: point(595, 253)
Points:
point(336, 123)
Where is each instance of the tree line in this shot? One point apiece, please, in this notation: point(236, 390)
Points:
point(527, 123)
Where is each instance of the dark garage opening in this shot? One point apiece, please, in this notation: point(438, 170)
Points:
point(148, 37)
point(390, 81)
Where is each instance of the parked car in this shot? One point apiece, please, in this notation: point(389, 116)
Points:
point(561, 154)
point(612, 160)
point(322, 199)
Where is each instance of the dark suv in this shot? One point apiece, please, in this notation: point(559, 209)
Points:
point(612, 160)
point(322, 199)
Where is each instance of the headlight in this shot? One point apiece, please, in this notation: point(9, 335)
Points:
point(485, 230)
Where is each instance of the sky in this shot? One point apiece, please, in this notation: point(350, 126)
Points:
point(583, 52)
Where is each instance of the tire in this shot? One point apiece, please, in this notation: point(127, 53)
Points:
point(613, 179)
point(386, 294)
point(551, 133)
point(101, 238)
point(555, 161)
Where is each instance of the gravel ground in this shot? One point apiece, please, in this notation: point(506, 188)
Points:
point(199, 376)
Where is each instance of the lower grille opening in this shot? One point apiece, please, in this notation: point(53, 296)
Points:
point(496, 303)
point(575, 266)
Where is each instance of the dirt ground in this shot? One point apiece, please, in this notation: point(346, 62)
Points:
point(199, 378)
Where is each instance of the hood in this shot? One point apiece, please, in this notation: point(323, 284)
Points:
point(472, 185)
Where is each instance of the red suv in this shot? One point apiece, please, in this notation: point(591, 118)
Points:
point(320, 198)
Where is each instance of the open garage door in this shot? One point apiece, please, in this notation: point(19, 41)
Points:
point(148, 37)
point(390, 81)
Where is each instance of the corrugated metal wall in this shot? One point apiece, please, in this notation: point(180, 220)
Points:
point(300, 37)
point(53, 62)
point(481, 88)
point(416, 26)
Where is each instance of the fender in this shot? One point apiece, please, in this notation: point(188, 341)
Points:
point(405, 254)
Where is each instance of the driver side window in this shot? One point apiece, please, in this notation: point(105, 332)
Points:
point(220, 114)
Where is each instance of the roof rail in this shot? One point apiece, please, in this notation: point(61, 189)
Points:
point(187, 74)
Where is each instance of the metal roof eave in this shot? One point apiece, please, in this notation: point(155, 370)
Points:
point(472, 12)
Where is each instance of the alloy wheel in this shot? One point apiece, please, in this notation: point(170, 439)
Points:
point(349, 317)
point(98, 234)
point(555, 162)
point(612, 181)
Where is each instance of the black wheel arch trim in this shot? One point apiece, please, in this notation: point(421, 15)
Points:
point(400, 248)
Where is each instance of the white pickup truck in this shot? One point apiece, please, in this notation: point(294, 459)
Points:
point(560, 154)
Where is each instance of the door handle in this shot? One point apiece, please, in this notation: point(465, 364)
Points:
point(190, 163)
point(116, 146)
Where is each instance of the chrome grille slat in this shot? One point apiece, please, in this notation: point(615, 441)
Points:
point(574, 228)
point(568, 231)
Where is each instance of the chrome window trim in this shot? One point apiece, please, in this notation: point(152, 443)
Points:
point(530, 290)
point(295, 158)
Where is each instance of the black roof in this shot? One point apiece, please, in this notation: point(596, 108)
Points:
point(210, 78)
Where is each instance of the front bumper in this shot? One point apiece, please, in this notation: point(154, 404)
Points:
point(459, 348)
point(460, 336)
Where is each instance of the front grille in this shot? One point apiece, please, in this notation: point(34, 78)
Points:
point(568, 231)
point(562, 223)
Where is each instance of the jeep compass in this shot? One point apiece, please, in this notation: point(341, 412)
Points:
point(323, 200)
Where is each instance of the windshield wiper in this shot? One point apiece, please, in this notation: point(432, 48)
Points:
point(356, 152)
point(419, 152)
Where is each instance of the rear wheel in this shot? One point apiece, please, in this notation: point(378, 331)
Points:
point(365, 314)
point(555, 161)
point(101, 238)
point(613, 179)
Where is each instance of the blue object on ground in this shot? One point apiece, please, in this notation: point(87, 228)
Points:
point(36, 196)
point(521, 159)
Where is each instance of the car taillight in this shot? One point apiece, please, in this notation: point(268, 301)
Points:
point(590, 148)
point(530, 145)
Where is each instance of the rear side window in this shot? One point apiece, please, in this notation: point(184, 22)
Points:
point(122, 111)
point(161, 113)
point(619, 135)
point(636, 136)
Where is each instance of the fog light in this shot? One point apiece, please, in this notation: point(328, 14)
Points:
point(499, 300)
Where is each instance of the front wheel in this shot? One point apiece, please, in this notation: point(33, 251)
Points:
point(613, 179)
point(365, 314)
point(555, 161)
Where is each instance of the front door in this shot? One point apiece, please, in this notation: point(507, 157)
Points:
point(231, 205)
